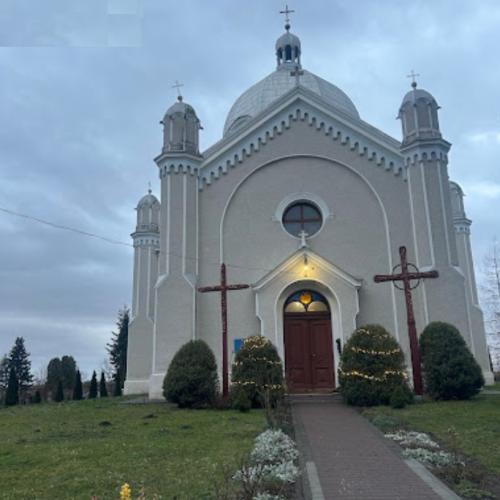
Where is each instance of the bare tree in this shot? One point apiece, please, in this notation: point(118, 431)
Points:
point(490, 298)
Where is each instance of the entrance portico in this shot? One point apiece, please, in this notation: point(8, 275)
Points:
point(329, 327)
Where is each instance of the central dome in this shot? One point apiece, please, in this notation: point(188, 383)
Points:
point(258, 97)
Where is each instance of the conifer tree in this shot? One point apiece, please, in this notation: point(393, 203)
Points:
point(77, 388)
point(117, 390)
point(4, 376)
point(93, 386)
point(68, 371)
point(103, 391)
point(19, 360)
point(54, 372)
point(12, 395)
point(117, 348)
point(59, 393)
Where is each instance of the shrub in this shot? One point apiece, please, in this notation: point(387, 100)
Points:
point(258, 372)
point(191, 380)
point(240, 400)
point(372, 367)
point(400, 397)
point(37, 397)
point(450, 370)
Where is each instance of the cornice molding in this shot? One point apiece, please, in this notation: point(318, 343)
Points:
point(146, 239)
point(462, 225)
point(227, 158)
point(174, 163)
point(426, 151)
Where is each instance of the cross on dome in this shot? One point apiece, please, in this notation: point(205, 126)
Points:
point(178, 86)
point(286, 12)
point(413, 76)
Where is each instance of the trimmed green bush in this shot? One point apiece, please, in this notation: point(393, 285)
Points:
point(191, 380)
point(450, 370)
point(372, 366)
point(400, 397)
point(240, 400)
point(258, 372)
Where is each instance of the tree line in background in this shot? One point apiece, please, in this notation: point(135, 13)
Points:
point(63, 380)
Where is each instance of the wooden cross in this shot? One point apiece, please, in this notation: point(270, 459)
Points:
point(406, 276)
point(223, 288)
point(178, 87)
point(287, 11)
point(413, 77)
point(297, 73)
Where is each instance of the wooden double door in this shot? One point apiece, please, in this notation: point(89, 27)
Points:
point(309, 352)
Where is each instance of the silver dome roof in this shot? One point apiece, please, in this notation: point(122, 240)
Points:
point(262, 94)
point(147, 201)
point(415, 94)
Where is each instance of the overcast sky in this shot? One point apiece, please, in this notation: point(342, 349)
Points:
point(84, 83)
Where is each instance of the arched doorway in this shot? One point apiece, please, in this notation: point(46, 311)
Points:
point(308, 343)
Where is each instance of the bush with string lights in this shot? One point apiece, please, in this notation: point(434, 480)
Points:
point(257, 374)
point(372, 367)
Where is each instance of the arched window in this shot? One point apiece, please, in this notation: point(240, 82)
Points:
point(302, 216)
point(288, 53)
point(306, 301)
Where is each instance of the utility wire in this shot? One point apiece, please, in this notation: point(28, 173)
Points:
point(118, 242)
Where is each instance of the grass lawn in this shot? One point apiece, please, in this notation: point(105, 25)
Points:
point(494, 387)
point(85, 448)
point(472, 427)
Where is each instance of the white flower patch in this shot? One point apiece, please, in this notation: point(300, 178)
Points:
point(436, 458)
point(411, 438)
point(273, 460)
point(422, 448)
point(274, 446)
point(267, 496)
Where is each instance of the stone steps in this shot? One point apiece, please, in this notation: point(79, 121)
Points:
point(314, 398)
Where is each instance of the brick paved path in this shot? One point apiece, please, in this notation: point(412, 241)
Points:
point(352, 459)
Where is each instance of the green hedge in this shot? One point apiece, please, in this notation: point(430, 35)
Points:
point(372, 367)
point(191, 380)
point(257, 373)
point(450, 370)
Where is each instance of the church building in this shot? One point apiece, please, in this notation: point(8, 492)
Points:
point(305, 203)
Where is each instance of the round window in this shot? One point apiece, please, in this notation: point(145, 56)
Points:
point(302, 216)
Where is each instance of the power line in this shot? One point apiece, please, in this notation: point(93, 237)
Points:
point(118, 242)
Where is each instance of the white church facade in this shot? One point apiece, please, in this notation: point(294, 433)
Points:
point(306, 203)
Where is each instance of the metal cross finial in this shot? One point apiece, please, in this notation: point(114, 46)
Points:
point(178, 87)
point(149, 187)
point(287, 11)
point(413, 76)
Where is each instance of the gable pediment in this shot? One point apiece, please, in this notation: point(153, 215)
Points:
point(301, 104)
point(294, 263)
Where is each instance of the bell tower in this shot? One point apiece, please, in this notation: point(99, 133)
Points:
point(175, 290)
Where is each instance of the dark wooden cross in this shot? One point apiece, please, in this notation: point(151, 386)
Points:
point(407, 275)
point(223, 288)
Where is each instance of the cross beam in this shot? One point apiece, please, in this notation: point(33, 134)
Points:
point(223, 288)
point(287, 11)
point(406, 276)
